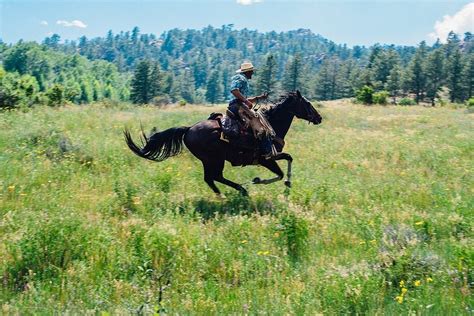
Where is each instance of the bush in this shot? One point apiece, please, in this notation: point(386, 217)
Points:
point(380, 97)
point(55, 95)
point(406, 101)
point(470, 102)
point(365, 95)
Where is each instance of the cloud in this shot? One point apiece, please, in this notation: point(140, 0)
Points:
point(45, 23)
point(74, 23)
point(462, 21)
point(248, 2)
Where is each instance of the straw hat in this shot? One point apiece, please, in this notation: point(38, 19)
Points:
point(247, 66)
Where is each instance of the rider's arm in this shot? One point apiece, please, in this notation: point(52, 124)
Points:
point(238, 95)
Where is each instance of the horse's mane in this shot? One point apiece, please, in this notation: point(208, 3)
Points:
point(279, 103)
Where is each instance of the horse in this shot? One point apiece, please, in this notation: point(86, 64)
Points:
point(204, 141)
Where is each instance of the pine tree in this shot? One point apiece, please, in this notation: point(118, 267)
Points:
point(266, 81)
point(213, 88)
point(454, 70)
point(417, 73)
point(293, 78)
point(140, 92)
point(434, 74)
point(468, 76)
point(393, 84)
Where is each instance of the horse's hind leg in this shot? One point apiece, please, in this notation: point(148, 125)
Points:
point(209, 175)
point(213, 171)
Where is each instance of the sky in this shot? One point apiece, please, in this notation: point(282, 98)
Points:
point(353, 22)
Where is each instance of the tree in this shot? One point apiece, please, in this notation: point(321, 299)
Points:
point(393, 84)
point(213, 88)
point(55, 95)
point(434, 74)
point(293, 78)
point(417, 74)
point(142, 87)
point(468, 76)
point(267, 76)
point(454, 70)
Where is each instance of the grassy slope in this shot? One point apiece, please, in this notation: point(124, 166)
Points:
point(381, 195)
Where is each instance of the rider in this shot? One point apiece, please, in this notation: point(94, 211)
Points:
point(240, 89)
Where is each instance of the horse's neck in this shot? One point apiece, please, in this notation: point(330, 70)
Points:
point(281, 120)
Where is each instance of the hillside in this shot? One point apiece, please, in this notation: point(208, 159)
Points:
point(379, 220)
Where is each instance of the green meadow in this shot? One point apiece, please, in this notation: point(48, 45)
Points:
point(379, 219)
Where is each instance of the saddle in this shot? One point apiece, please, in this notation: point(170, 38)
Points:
point(243, 134)
point(234, 130)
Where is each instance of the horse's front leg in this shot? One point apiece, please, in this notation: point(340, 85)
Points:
point(273, 166)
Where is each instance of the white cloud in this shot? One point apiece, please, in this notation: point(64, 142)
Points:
point(462, 21)
point(45, 23)
point(248, 2)
point(74, 23)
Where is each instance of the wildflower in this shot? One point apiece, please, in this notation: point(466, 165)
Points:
point(399, 299)
point(263, 253)
point(417, 283)
point(361, 242)
point(373, 241)
point(419, 223)
point(404, 290)
point(243, 241)
point(11, 188)
point(402, 283)
point(276, 234)
point(428, 279)
point(136, 200)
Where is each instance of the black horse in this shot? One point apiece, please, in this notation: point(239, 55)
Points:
point(204, 141)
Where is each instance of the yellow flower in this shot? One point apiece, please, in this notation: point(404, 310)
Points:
point(419, 223)
point(277, 234)
point(243, 242)
point(404, 290)
point(399, 299)
point(263, 253)
point(361, 242)
point(136, 200)
point(373, 241)
point(11, 188)
point(417, 283)
point(402, 283)
point(428, 279)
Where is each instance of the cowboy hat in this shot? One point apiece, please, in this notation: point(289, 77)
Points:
point(247, 66)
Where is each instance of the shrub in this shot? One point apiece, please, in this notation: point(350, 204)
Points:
point(365, 95)
point(294, 235)
point(380, 97)
point(470, 102)
point(55, 95)
point(406, 101)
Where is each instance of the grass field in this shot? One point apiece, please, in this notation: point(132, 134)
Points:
point(379, 219)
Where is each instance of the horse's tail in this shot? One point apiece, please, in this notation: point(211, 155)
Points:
point(159, 146)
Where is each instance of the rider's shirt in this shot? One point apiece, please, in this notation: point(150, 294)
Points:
point(239, 81)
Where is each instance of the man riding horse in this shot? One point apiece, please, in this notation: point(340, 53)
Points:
point(241, 104)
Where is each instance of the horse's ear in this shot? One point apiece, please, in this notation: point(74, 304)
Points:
point(298, 93)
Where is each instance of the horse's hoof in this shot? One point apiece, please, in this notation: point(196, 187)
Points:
point(288, 183)
point(256, 180)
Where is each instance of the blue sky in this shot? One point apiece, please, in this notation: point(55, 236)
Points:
point(349, 21)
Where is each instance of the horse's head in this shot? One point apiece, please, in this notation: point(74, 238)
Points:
point(303, 109)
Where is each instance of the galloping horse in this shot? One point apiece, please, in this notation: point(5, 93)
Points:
point(204, 141)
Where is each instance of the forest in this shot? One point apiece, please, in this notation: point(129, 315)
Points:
point(195, 66)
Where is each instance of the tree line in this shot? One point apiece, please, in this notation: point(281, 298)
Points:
point(195, 66)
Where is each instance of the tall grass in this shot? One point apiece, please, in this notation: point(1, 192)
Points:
point(379, 219)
